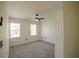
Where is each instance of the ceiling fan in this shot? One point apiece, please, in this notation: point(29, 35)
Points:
point(37, 18)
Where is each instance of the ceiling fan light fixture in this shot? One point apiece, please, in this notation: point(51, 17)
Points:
point(37, 14)
point(36, 20)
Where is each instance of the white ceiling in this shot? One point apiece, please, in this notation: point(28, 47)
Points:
point(27, 9)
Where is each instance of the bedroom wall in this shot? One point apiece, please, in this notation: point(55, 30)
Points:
point(48, 29)
point(25, 32)
point(71, 26)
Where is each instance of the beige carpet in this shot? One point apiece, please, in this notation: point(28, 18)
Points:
point(39, 49)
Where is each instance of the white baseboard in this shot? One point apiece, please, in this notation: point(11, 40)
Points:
point(48, 42)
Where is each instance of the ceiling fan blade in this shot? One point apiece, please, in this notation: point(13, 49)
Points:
point(39, 18)
point(36, 18)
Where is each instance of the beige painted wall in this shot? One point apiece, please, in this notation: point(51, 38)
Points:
point(78, 29)
point(52, 29)
point(25, 32)
point(48, 29)
point(4, 51)
point(71, 29)
point(78, 26)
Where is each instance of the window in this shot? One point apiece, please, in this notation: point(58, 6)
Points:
point(33, 29)
point(14, 30)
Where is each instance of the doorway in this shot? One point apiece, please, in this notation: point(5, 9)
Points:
point(25, 36)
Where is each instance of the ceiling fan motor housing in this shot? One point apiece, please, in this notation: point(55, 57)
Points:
point(36, 14)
